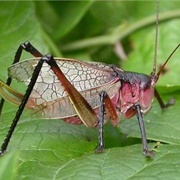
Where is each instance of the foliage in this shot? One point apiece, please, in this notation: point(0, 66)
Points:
point(89, 30)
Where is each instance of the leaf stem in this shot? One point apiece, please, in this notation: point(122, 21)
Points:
point(119, 33)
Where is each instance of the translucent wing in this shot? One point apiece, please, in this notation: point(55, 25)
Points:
point(51, 99)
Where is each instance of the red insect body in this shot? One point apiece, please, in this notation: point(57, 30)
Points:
point(133, 89)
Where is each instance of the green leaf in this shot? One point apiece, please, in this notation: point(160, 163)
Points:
point(53, 149)
point(8, 165)
point(60, 18)
point(18, 24)
point(116, 163)
point(141, 59)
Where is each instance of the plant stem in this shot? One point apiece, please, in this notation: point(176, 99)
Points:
point(120, 33)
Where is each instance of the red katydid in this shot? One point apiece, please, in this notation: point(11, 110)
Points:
point(80, 92)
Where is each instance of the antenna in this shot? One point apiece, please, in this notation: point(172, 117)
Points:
point(153, 73)
point(154, 76)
